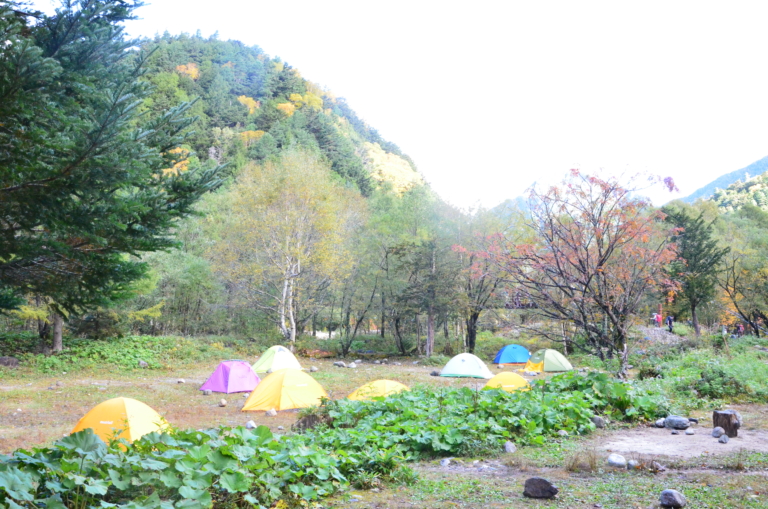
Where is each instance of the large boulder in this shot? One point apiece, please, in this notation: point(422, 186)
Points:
point(677, 422)
point(9, 362)
point(538, 487)
point(617, 461)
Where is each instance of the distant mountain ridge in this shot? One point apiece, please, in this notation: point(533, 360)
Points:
point(706, 192)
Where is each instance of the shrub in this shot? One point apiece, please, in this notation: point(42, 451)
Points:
point(716, 383)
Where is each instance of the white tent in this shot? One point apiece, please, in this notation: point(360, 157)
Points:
point(466, 365)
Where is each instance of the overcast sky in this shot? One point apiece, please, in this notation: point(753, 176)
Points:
point(488, 97)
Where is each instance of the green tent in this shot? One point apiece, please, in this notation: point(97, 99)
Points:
point(548, 360)
point(276, 357)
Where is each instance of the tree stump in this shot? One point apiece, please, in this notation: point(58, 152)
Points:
point(729, 420)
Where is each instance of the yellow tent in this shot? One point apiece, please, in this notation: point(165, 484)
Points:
point(510, 382)
point(121, 418)
point(378, 388)
point(285, 389)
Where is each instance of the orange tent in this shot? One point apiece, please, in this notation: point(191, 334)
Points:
point(121, 418)
point(285, 389)
point(378, 388)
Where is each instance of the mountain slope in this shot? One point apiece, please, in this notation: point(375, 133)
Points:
point(706, 192)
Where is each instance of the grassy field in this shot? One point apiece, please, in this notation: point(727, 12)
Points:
point(38, 406)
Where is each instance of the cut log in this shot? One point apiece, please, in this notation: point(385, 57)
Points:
point(729, 420)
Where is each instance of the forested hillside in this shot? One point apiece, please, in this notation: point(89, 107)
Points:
point(724, 181)
point(749, 191)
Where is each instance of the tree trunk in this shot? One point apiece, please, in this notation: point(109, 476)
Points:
point(430, 346)
point(729, 420)
point(695, 320)
point(58, 328)
point(472, 330)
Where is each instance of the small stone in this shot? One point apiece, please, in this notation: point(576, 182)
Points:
point(690, 432)
point(415, 362)
point(377, 362)
point(723, 439)
point(207, 392)
point(340, 364)
point(397, 364)
point(445, 462)
point(313, 369)
point(510, 447)
point(500, 366)
point(633, 465)
point(223, 403)
point(358, 361)
point(657, 467)
point(693, 420)
point(718, 432)
point(51, 388)
point(562, 433)
point(271, 412)
point(143, 364)
point(180, 381)
point(246, 394)
point(59, 384)
point(660, 423)
point(434, 373)
point(617, 461)
point(675, 432)
point(352, 365)
point(250, 424)
point(385, 361)
point(598, 421)
point(280, 428)
point(538, 487)
point(672, 498)
point(676, 422)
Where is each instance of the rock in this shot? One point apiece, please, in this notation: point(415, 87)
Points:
point(617, 461)
point(313, 369)
point(51, 388)
point(690, 432)
point(9, 362)
point(246, 394)
point(340, 364)
point(271, 412)
point(693, 420)
point(207, 392)
point(280, 428)
point(415, 363)
point(500, 366)
point(143, 364)
point(445, 462)
point(377, 362)
point(530, 373)
point(729, 420)
point(675, 432)
point(562, 433)
point(676, 422)
point(633, 465)
point(660, 423)
point(538, 487)
point(358, 361)
point(385, 361)
point(352, 365)
point(222, 402)
point(397, 364)
point(672, 498)
point(434, 373)
point(718, 432)
point(723, 439)
point(657, 467)
point(250, 424)
point(180, 381)
point(510, 447)
point(598, 421)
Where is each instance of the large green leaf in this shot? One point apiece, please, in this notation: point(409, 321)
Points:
point(234, 482)
point(83, 442)
point(17, 484)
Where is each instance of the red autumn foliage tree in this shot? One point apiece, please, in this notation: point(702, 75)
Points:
point(596, 248)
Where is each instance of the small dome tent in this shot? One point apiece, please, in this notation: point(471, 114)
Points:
point(232, 376)
point(509, 382)
point(466, 365)
point(285, 389)
point(378, 388)
point(275, 358)
point(512, 354)
point(121, 418)
point(548, 360)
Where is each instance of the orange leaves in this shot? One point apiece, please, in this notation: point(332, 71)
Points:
point(190, 70)
point(249, 137)
point(181, 162)
point(250, 103)
point(288, 109)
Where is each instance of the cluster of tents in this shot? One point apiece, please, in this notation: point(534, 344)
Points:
point(285, 386)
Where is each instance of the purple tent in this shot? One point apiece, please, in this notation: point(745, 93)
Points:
point(232, 376)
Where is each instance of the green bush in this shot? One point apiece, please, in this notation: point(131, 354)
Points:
point(716, 383)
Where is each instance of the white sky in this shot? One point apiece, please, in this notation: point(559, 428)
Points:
point(488, 97)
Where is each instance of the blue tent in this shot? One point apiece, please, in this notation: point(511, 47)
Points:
point(512, 354)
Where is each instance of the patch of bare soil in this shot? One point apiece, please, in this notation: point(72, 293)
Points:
point(660, 442)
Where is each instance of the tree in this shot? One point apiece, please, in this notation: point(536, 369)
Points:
point(595, 249)
point(698, 258)
point(82, 185)
point(281, 239)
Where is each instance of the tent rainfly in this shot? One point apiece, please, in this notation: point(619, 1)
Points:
point(466, 365)
point(509, 382)
point(376, 389)
point(285, 389)
point(121, 418)
point(547, 360)
point(275, 358)
point(512, 354)
point(232, 376)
